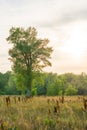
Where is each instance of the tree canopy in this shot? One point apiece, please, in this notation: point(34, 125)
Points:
point(28, 54)
point(45, 84)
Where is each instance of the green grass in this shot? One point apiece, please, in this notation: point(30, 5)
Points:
point(38, 114)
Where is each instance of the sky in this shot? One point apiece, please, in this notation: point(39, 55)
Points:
point(63, 22)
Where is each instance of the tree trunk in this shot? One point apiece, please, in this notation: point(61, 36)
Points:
point(29, 81)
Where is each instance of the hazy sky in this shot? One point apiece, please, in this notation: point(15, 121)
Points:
point(63, 22)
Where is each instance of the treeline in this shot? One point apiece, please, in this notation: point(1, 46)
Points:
point(50, 84)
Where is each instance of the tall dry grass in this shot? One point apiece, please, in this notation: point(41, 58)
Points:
point(43, 113)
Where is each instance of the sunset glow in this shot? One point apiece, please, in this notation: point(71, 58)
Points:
point(63, 22)
point(75, 44)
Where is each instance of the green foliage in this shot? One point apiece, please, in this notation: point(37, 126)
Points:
point(10, 88)
point(20, 82)
point(29, 53)
point(56, 87)
point(7, 84)
point(34, 91)
point(44, 84)
point(4, 81)
point(38, 83)
point(71, 90)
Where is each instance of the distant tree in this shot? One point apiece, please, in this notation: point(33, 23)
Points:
point(71, 90)
point(38, 84)
point(82, 90)
point(55, 88)
point(1, 81)
point(4, 81)
point(28, 53)
point(10, 87)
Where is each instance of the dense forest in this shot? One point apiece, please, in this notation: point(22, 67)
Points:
point(45, 84)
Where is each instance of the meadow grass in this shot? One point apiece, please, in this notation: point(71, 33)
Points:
point(43, 113)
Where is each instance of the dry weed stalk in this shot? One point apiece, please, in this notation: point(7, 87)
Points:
point(58, 105)
point(48, 101)
point(19, 99)
point(55, 109)
point(49, 111)
point(85, 103)
point(8, 101)
point(62, 99)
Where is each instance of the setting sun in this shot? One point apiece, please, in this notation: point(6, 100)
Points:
point(75, 45)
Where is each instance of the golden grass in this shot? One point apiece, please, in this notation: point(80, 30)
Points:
point(43, 113)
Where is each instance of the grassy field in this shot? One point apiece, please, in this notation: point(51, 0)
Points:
point(43, 113)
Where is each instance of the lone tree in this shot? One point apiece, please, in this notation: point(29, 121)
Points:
point(28, 54)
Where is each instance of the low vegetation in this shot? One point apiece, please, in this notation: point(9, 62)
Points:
point(43, 113)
